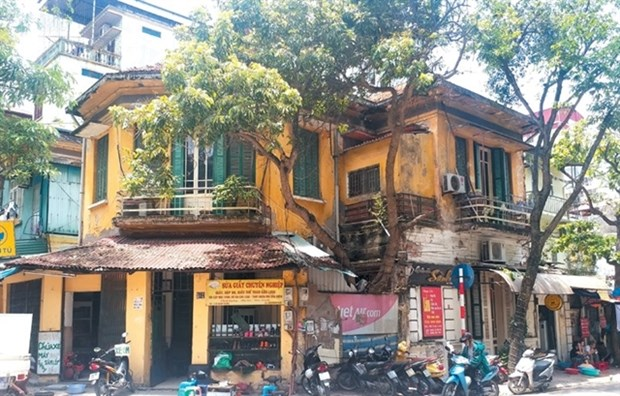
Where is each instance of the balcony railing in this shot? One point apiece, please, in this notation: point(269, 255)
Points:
point(410, 207)
point(192, 210)
point(552, 206)
point(79, 50)
point(487, 211)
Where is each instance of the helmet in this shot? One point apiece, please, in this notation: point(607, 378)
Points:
point(467, 337)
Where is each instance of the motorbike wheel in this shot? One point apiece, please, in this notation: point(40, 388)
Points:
point(306, 385)
point(322, 390)
point(494, 391)
point(424, 387)
point(518, 386)
point(385, 387)
point(450, 390)
point(502, 377)
point(347, 381)
point(101, 388)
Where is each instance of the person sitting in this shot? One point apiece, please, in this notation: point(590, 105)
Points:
point(474, 351)
point(577, 354)
point(603, 354)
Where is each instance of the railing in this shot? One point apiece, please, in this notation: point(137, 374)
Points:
point(484, 210)
point(79, 50)
point(409, 206)
point(552, 206)
point(197, 202)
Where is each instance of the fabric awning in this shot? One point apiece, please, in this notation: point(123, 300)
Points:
point(545, 283)
point(8, 272)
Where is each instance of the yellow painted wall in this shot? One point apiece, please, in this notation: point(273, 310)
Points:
point(201, 320)
point(97, 216)
point(83, 283)
point(51, 303)
point(61, 242)
point(138, 324)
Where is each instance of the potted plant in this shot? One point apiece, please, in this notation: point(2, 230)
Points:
point(234, 192)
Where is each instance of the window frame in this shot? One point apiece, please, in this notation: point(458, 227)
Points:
point(100, 192)
point(367, 182)
point(305, 183)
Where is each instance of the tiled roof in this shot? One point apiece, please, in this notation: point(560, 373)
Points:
point(198, 254)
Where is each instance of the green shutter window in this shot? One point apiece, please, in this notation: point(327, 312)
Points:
point(101, 169)
point(306, 169)
point(178, 170)
point(477, 165)
point(461, 160)
point(500, 178)
point(241, 160)
point(219, 161)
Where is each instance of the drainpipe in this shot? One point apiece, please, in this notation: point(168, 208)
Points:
point(82, 176)
point(92, 29)
point(335, 156)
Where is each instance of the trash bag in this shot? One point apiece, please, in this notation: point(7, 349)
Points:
point(223, 360)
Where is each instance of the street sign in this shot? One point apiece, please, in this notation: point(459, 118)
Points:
point(7, 239)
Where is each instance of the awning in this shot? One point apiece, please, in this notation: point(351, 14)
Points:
point(222, 254)
point(8, 272)
point(545, 283)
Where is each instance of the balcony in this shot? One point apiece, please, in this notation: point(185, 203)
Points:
point(79, 50)
point(410, 206)
point(478, 210)
point(552, 206)
point(191, 212)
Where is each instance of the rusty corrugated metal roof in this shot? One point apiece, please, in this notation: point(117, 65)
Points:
point(198, 254)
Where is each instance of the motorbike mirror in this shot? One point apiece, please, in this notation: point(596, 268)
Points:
point(97, 349)
point(124, 335)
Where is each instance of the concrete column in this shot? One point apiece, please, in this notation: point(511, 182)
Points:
point(201, 320)
point(51, 303)
point(138, 325)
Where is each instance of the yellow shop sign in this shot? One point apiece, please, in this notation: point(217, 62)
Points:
point(246, 292)
point(7, 239)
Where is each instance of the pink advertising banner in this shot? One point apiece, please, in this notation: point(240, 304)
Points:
point(362, 314)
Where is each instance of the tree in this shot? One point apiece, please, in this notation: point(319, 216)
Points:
point(266, 64)
point(549, 54)
point(25, 145)
point(583, 245)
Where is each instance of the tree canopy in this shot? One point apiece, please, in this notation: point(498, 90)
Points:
point(24, 144)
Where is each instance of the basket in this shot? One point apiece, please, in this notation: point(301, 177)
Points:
point(571, 370)
point(601, 365)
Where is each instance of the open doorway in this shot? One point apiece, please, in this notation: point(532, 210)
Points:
point(547, 325)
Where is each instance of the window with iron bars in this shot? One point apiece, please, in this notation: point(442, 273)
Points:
point(364, 181)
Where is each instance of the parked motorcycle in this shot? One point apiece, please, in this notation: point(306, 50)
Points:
point(460, 384)
point(372, 377)
point(315, 378)
point(532, 373)
point(408, 379)
point(502, 375)
point(110, 376)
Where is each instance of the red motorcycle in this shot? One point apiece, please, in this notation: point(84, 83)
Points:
point(502, 374)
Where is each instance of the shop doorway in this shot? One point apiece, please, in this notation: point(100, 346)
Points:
point(172, 310)
point(85, 324)
point(547, 326)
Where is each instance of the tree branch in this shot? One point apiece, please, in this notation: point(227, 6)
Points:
point(596, 210)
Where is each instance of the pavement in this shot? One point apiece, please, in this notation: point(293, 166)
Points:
point(608, 381)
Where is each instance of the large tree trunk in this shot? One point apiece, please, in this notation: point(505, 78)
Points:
point(518, 325)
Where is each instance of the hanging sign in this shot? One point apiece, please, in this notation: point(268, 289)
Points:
point(553, 302)
point(246, 292)
point(585, 327)
point(432, 312)
point(7, 239)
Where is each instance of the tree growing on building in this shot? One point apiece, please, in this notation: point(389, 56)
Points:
point(266, 64)
point(550, 54)
point(25, 145)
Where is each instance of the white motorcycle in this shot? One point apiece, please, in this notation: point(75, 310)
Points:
point(532, 373)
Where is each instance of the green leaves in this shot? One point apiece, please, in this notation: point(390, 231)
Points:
point(24, 144)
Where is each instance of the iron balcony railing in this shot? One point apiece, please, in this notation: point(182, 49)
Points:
point(483, 210)
point(410, 207)
point(79, 50)
point(552, 206)
point(191, 201)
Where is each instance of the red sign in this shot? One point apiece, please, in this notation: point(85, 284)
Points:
point(432, 312)
point(585, 327)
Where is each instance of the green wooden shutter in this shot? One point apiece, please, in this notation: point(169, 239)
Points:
point(101, 166)
point(508, 167)
point(461, 160)
point(306, 170)
point(219, 161)
point(178, 170)
point(477, 165)
point(498, 159)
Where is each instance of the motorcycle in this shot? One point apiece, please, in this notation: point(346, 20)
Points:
point(502, 375)
point(346, 378)
point(460, 384)
point(532, 373)
point(315, 377)
point(372, 377)
point(408, 378)
point(110, 376)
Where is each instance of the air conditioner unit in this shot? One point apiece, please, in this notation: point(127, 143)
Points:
point(453, 183)
point(492, 251)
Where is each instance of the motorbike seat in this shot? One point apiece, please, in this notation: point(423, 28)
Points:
point(373, 365)
point(419, 365)
point(493, 371)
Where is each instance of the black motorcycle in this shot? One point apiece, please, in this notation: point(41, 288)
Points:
point(315, 378)
point(110, 369)
point(408, 378)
